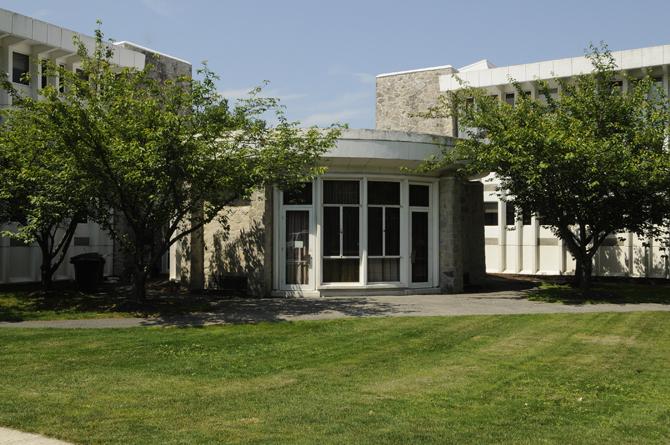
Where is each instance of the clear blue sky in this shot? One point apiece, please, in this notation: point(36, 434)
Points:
point(321, 57)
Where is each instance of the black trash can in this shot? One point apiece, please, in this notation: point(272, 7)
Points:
point(88, 270)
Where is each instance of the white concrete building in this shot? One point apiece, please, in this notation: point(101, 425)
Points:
point(24, 42)
point(517, 243)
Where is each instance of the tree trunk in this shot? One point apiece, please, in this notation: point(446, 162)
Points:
point(140, 285)
point(585, 271)
point(577, 282)
point(46, 271)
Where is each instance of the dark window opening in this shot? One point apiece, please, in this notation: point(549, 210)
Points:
point(419, 195)
point(61, 80)
point(340, 192)
point(81, 74)
point(44, 66)
point(383, 193)
point(490, 213)
point(20, 68)
point(299, 195)
point(419, 247)
point(510, 214)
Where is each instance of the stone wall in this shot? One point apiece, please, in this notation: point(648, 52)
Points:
point(472, 210)
point(450, 241)
point(238, 254)
point(401, 95)
point(163, 67)
point(461, 243)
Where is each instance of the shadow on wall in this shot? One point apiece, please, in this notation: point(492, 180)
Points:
point(612, 259)
point(237, 264)
point(183, 259)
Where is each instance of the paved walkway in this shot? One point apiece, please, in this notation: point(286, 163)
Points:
point(13, 437)
point(287, 309)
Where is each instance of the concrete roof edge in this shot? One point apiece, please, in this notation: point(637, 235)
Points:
point(126, 43)
point(397, 136)
point(433, 68)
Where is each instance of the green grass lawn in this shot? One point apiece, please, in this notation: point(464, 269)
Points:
point(588, 378)
point(618, 292)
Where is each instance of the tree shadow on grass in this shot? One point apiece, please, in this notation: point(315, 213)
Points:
point(503, 282)
point(28, 302)
point(169, 305)
point(254, 310)
point(623, 291)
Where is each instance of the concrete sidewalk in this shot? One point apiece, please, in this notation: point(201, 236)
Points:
point(14, 437)
point(249, 310)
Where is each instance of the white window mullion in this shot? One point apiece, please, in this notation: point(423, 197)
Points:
point(383, 231)
point(341, 231)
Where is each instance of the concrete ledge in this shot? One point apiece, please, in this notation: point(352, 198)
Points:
point(386, 148)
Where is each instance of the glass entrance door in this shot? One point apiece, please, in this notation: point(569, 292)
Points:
point(419, 247)
point(298, 259)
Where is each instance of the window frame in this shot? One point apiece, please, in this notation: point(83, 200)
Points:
point(384, 256)
point(341, 256)
point(318, 286)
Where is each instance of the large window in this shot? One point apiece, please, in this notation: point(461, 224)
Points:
point(20, 68)
point(419, 200)
point(341, 229)
point(375, 231)
point(383, 231)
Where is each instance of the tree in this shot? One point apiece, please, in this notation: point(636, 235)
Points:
point(169, 155)
point(590, 163)
point(41, 192)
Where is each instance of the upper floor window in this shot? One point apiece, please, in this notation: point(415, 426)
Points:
point(20, 68)
point(509, 98)
point(510, 214)
point(61, 80)
point(490, 213)
point(43, 78)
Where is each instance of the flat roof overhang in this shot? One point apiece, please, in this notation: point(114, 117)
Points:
point(381, 150)
point(47, 40)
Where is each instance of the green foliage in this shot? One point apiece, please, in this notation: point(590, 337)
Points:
point(165, 156)
point(42, 192)
point(591, 162)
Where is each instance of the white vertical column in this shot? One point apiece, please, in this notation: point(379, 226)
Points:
point(5, 67)
point(502, 233)
point(535, 259)
point(404, 232)
point(629, 248)
point(518, 224)
point(363, 231)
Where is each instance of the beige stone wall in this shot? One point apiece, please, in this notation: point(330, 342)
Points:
point(461, 232)
point(243, 249)
point(472, 209)
point(401, 95)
